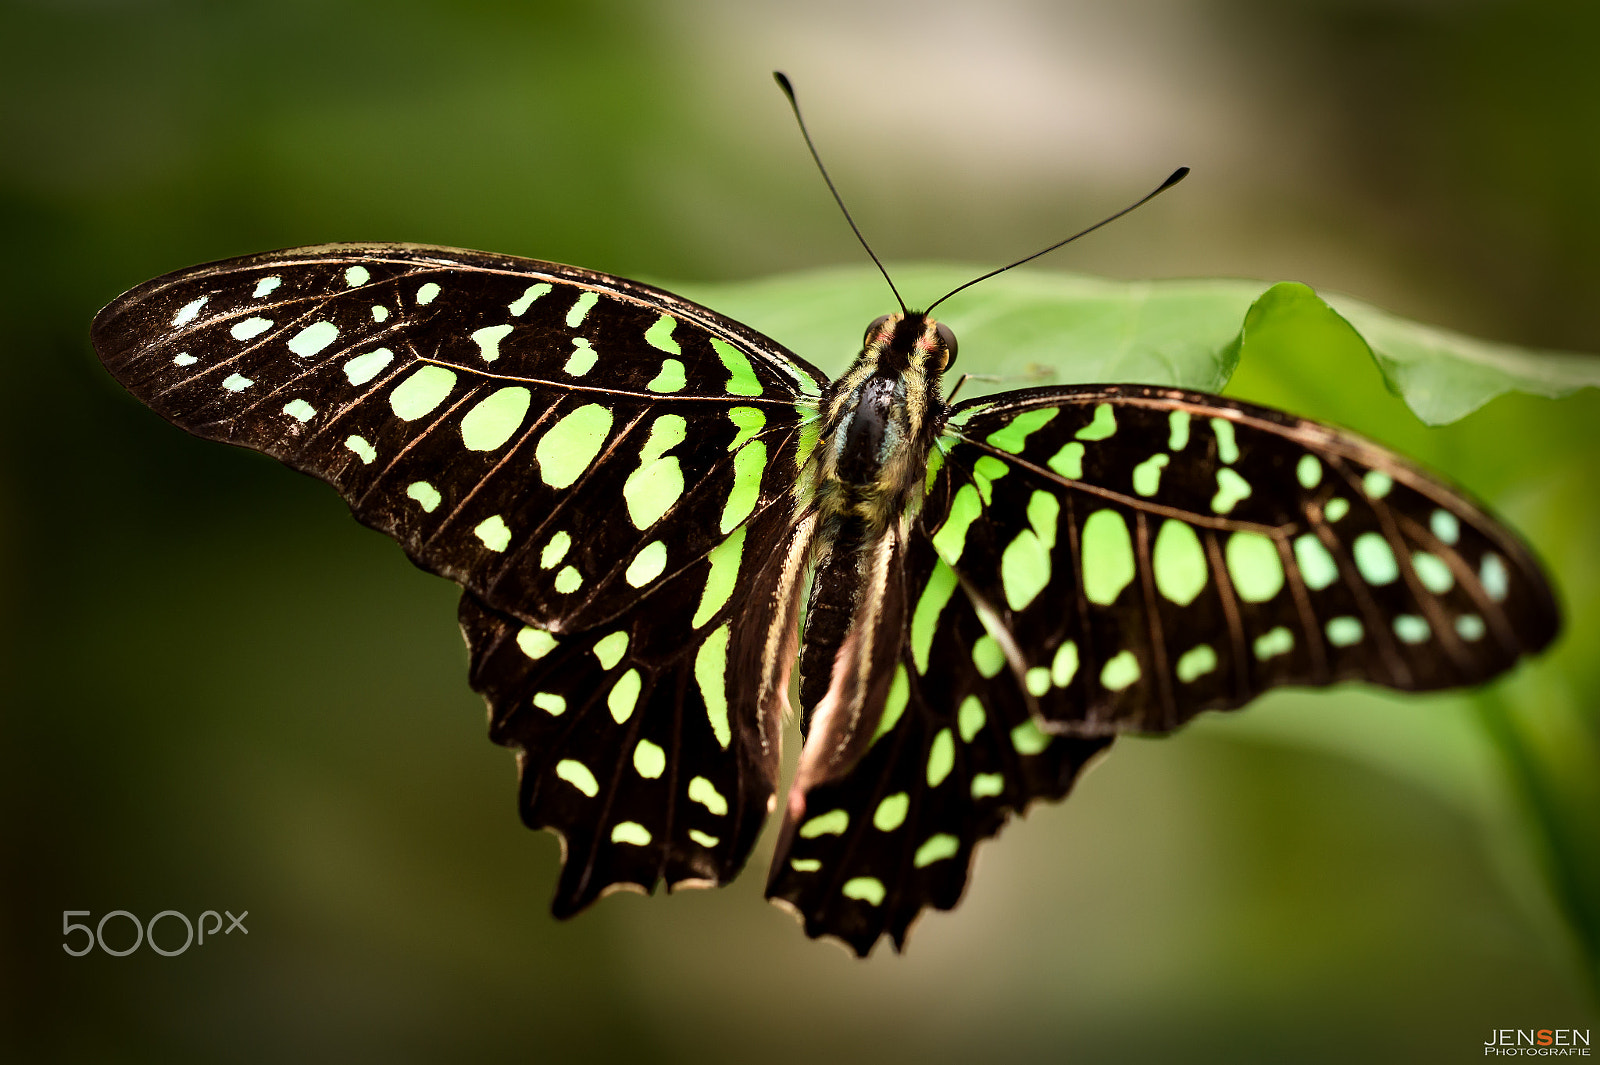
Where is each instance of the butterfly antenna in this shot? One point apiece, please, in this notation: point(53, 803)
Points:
point(1176, 176)
point(788, 90)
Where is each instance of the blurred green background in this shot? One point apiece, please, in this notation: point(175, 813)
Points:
point(223, 694)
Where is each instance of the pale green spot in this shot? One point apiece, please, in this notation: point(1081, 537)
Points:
point(670, 379)
point(659, 336)
point(364, 450)
point(1179, 562)
point(805, 865)
point(265, 287)
point(710, 669)
point(935, 464)
point(1470, 627)
point(1411, 629)
point(1013, 436)
point(624, 696)
point(742, 380)
point(1496, 581)
point(420, 393)
point(1343, 631)
point(571, 445)
point(951, 539)
point(987, 656)
point(925, 619)
point(552, 704)
point(649, 761)
point(1178, 430)
point(970, 718)
point(985, 785)
point(705, 839)
point(299, 410)
point(941, 757)
point(1231, 488)
point(1068, 462)
point(1044, 510)
point(666, 433)
point(488, 340)
point(706, 794)
point(313, 338)
point(1024, 569)
point(426, 294)
point(1065, 664)
point(724, 559)
point(582, 359)
point(749, 463)
point(652, 489)
point(630, 832)
point(1037, 680)
point(364, 368)
point(832, 823)
point(1316, 565)
point(524, 301)
point(936, 849)
point(1121, 671)
point(1376, 484)
point(1227, 446)
point(749, 421)
point(380, 313)
point(494, 532)
point(1433, 572)
point(1103, 425)
point(891, 812)
point(1254, 565)
point(1375, 559)
point(1147, 475)
point(577, 774)
point(555, 550)
point(610, 648)
point(1308, 471)
point(568, 580)
point(191, 311)
point(426, 495)
point(1196, 662)
point(1027, 738)
point(868, 889)
point(986, 470)
point(250, 328)
point(580, 308)
point(810, 431)
point(647, 565)
point(237, 382)
point(183, 358)
point(494, 420)
point(1107, 551)
point(1337, 508)
point(1276, 641)
point(356, 276)
point(895, 704)
point(1445, 525)
point(535, 643)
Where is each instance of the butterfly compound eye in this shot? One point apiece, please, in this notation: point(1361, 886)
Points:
point(875, 325)
point(947, 337)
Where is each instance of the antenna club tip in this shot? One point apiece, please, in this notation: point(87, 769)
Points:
point(1177, 176)
point(783, 83)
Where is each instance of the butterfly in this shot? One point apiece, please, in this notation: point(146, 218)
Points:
point(657, 514)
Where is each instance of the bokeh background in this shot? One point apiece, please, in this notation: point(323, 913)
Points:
point(223, 694)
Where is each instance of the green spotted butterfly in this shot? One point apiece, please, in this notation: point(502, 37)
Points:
point(637, 495)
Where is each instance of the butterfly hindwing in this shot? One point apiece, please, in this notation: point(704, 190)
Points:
point(604, 467)
point(1157, 553)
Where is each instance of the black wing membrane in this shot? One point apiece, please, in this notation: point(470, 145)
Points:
point(1153, 553)
point(593, 460)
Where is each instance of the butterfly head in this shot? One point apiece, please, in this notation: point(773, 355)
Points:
point(896, 343)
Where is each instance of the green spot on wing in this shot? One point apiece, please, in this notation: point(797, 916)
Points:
point(1433, 572)
point(610, 648)
point(1121, 671)
point(1103, 425)
point(1179, 562)
point(535, 643)
point(1276, 641)
point(556, 549)
point(670, 379)
point(742, 380)
point(988, 656)
point(494, 420)
point(985, 785)
point(1107, 550)
point(630, 832)
point(1308, 471)
point(624, 696)
point(970, 718)
point(868, 889)
point(580, 308)
point(659, 336)
point(895, 704)
point(582, 359)
point(1375, 559)
point(426, 495)
point(706, 794)
point(1343, 631)
point(891, 812)
point(720, 582)
point(364, 368)
point(649, 760)
point(951, 539)
point(1065, 664)
point(488, 340)
point(925, 619)
point(423, 391)
point(1147, 475)
point(1024, 569)
point(749, 421)
point(1178, 430)
point(832, 823)
point(710, 669)
point(1231, 490)
point(577, 774)
point(494, 533)
point(1196, 662)
point(1013, 436)
point(1068, 462)
point(313, 338)
point(1254, 565)
point(1227, 446)
point(647, 565)
point(1027, 738)
point(936, 849)
point(1317, 566)
point(749, 464)
point(566, 451)
point(941, 758)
